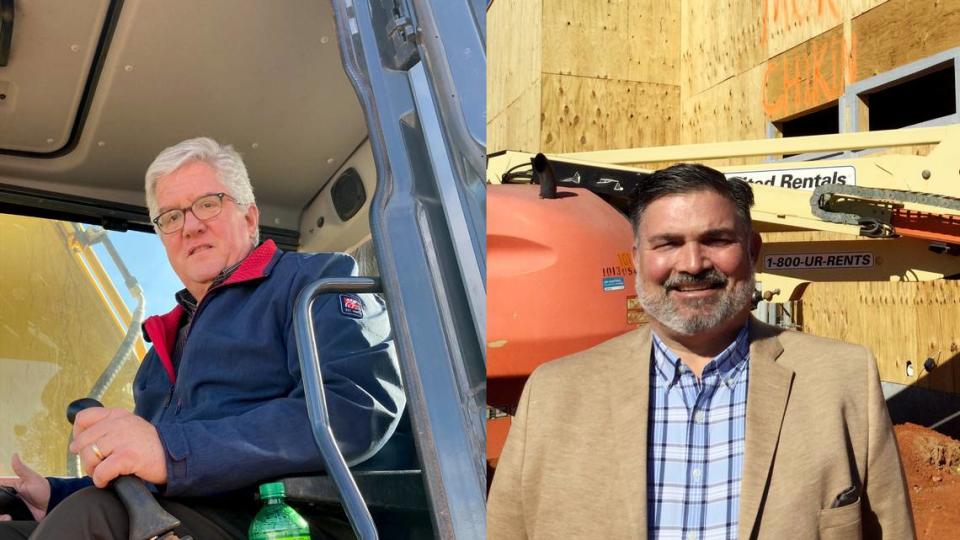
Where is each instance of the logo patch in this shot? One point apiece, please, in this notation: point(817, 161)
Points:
point(351, 306)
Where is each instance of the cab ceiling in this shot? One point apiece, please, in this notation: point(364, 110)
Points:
point(94, 89)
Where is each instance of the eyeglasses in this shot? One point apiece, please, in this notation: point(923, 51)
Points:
point(205, 208)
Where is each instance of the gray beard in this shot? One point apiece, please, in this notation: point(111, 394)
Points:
point(707, 313)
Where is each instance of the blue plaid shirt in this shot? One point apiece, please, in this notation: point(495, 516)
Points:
point(695, 450)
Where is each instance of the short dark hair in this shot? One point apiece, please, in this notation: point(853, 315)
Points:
point(688, 178)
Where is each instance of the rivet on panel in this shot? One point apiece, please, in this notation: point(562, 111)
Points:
point(329, 160)
point(128, 68)
point(101, 144)
point(324, 40)
point(925, 174)
point(74, 48)
point(255, 145)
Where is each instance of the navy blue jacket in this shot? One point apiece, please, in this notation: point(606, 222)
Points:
point(232, 413)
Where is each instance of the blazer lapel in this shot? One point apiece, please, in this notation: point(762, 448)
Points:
point(769, 389)
point(629, 400)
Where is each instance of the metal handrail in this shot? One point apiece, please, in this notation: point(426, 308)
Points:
point(334, 462)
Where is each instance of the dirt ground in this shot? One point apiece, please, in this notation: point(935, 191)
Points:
point(932, 463)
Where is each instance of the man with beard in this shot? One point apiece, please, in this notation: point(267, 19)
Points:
point(706, 423)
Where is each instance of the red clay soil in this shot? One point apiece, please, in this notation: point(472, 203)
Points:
point(932, 463)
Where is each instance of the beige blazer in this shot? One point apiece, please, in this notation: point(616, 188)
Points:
point(574, 464)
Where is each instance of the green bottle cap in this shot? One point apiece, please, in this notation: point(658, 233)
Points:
point(272, 489)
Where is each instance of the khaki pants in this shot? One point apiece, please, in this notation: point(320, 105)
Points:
point(93, 513)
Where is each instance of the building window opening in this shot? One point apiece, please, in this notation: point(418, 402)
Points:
point(823, 121)
point(819, 122)
point(926, 96)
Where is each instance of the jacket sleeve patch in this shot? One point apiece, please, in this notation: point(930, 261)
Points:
point(350, 306)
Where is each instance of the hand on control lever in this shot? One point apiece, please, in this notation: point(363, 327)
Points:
point(31, 488)
point(148, 520)
point(116, 442)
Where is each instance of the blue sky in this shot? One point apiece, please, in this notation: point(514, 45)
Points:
point(145, 258)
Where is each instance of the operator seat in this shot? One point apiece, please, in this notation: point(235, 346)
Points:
point(366, 258)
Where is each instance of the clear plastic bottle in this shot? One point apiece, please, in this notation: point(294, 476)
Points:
point(276, 520)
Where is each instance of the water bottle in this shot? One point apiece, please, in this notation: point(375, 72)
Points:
point(276, 520)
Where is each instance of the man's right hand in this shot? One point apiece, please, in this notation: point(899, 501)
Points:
point(31, 487)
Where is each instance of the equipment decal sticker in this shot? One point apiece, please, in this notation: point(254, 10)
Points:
point(634, 311)
point(612, 284)
point(623, 267)
point(798, 261)
point(614, 276)
point(804, 178)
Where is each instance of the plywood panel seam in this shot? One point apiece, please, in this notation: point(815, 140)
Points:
point(516, 100)
point(611, 79)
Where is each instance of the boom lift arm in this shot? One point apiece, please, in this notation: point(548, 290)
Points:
point(911, 203)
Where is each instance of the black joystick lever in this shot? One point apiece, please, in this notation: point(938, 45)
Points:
point(78, 405)
point(148, 520)
point(13, 505)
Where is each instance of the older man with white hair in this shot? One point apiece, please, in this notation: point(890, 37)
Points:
point(219, 401)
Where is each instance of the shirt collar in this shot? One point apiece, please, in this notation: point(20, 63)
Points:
point(189, 303)
point(727, 365)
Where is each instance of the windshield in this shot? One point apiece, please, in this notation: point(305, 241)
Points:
point(69, 327)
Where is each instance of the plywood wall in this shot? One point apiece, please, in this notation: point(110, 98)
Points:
point(720, 40)
point(513, 74)
point(574, 75)
point(788, 23)
point(903, 31)
point(610, 74)
point(898, 321)
point(626, 40)
point(725, 112)
point(808, 76)
point(746, 64)
point(517, 126)
point(582, 114)
point(707, 71)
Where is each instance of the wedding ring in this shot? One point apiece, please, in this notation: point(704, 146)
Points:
point(96, 451)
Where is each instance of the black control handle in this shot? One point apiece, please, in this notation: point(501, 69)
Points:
point(78, 405)
point(148, 519)
point(12, 505)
